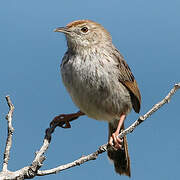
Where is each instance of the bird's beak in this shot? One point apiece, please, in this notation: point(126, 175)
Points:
point(62, 29)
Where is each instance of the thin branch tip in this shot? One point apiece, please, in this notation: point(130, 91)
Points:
point(7, 96)
point(177, 85)
point(9, 102)
point(9, 134)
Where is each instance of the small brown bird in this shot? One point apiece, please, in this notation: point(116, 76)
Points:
point(100, 83)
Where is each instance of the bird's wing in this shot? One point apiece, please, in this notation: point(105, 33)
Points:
point(127, 79)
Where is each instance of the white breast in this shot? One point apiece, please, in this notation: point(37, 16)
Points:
point(94, 87)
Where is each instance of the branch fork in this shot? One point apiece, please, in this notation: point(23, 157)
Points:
point(34, 169)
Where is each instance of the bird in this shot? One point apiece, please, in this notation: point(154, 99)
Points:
point(100, 83)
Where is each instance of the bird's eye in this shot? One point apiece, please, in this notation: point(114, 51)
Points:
point(84, 29)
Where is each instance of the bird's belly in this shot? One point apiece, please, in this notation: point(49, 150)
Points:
point(95, 92)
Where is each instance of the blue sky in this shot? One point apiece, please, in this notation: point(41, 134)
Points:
point(147, 33)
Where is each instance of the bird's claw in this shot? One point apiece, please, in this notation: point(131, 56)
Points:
point(63, 120)
point(116, 142)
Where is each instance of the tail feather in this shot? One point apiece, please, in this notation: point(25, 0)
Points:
point(120, 157)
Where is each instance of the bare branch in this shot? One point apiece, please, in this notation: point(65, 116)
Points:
point(28, 171)
point(10, 133)
point(151, 111)
point(103, 148)
point(33, 170)
point(77, 162)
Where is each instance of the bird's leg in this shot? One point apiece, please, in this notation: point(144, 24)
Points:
point(63, 120)
point(114, 140)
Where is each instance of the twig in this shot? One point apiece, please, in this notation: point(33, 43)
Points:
point(151, 111)
point(33, 170)
point(10, 133)
point(28, 171)
point(103, 148)
point(78, 162)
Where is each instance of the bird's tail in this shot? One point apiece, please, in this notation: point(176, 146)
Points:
point(119, 157)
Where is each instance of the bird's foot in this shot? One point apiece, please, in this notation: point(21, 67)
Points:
point(63, 120)
point(116, 142)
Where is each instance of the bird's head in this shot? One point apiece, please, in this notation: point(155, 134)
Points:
point(84, 33)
